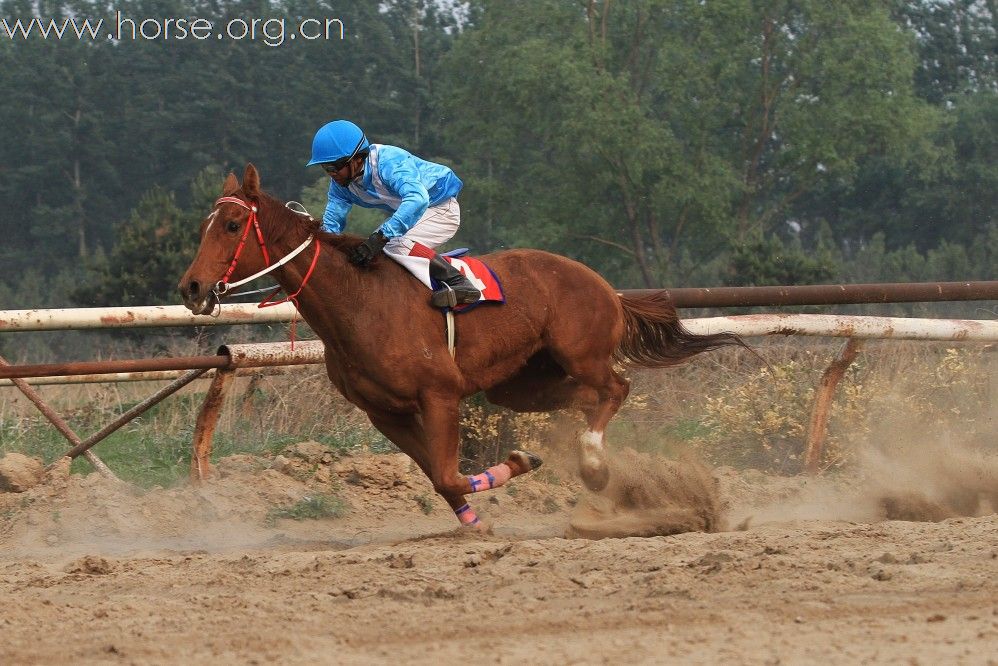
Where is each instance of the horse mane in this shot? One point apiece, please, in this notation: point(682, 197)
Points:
point(342, 242)
point(285, 219)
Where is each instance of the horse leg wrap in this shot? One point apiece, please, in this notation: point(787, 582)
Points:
point(491, 478)
point(467, 515)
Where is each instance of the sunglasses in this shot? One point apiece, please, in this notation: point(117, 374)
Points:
point(335, 167)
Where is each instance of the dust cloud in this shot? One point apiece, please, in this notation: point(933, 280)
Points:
point(907, 480)
point(649, 496)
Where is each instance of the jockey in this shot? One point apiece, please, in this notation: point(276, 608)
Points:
point(420, 195)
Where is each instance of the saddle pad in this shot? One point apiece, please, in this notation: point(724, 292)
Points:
point(482, 277)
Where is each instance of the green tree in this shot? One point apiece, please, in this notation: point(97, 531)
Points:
point(949, 197)
point(58, 181)
point(957, 41)
point(765, 261)
point(155, 245)
point(651, 126)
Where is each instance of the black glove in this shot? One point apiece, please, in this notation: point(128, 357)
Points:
point(369, 250)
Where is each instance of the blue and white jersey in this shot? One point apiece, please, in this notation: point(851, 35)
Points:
point(395, 181)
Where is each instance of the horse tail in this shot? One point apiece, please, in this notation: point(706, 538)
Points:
point(655, 338)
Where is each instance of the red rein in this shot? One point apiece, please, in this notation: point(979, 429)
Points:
point(255, 223)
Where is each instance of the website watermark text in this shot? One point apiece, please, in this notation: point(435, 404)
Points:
point(275, 31)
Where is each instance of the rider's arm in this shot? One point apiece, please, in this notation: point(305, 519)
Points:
point(403, 178)
point(336, 211)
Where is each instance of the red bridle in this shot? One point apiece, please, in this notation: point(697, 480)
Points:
point(222, 286)
point(251, 222)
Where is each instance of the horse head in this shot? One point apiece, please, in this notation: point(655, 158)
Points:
point(227, 253)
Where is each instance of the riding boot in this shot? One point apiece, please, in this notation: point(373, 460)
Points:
point(456, 289)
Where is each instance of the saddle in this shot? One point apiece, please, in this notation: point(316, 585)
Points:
point(478, 273)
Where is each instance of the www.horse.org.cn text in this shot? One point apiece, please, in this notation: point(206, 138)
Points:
point(269, 31)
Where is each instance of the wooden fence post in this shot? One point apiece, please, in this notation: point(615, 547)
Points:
point(817, 430)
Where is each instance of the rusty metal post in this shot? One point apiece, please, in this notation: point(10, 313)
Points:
point(128, 365)
point(817, 427)
point(825, 294)
point(138, 409)
point(267, 354)
point(161, 375)
point(57, 421)
point(207, 420)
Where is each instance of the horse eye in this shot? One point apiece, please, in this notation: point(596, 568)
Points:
point(232, 226)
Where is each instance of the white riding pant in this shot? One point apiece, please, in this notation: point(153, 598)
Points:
point(437, 226)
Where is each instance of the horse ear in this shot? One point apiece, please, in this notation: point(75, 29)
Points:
point(230, 185)
point(251, 180)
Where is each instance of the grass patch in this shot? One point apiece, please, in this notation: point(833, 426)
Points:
point(313, 507)
point(550, 505)
point(425, 503)
point(686, 429)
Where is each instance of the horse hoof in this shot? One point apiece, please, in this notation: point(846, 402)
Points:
point(596, 477)
point(527, 459)
point(478, 527)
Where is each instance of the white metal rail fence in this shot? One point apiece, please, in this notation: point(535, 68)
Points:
point(901, 328)
point(270, 357)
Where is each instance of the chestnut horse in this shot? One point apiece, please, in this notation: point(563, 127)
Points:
point(551, 346)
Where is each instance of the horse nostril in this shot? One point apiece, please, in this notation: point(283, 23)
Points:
point(194, 288)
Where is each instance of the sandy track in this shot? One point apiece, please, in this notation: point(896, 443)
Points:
point(377, 588)
point(918, 593)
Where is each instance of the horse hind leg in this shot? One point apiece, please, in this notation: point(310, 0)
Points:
point(598, 402)
point(590, 386)
point(611, 390)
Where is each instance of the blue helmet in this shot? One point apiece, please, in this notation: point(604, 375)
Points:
point(336, 141)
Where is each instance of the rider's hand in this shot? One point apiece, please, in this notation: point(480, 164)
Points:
point(369, 250)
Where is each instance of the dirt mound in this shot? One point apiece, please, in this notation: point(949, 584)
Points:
point(93, 565)
point(19, 472)
point(307, 493)
point(84, 513)
point(649, 496)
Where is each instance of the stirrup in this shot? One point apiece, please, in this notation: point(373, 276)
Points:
point(444, 297)
point(448, 297)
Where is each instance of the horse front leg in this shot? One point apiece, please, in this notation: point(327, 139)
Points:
point(440, 424)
